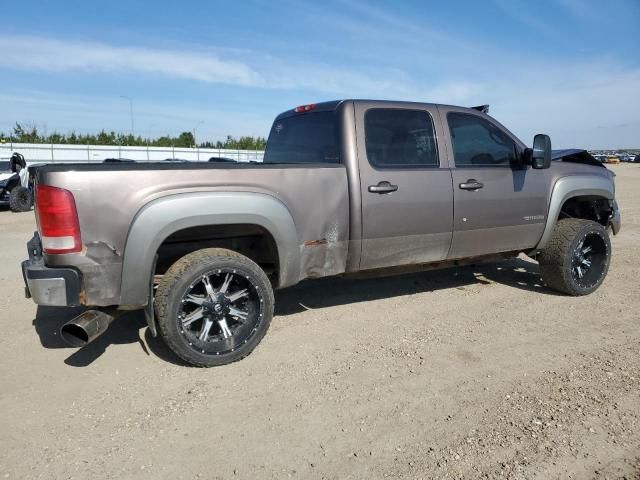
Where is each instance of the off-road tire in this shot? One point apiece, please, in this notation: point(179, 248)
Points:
point(556, 259)
point(189, 270)
point(20, 199)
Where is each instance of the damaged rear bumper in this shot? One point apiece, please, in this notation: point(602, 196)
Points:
point(55, 287)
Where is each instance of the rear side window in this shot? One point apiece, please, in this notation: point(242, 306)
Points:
point(398, 138)
point(306, 138)
point(477, 141)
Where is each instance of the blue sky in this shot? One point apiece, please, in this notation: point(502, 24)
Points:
point(569, 68)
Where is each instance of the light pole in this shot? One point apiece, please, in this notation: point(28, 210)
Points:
point(130, 111)
point(194, 132)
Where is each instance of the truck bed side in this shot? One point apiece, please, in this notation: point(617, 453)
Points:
point(109, 199)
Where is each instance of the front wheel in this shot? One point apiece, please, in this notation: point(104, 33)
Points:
point(214, 306)
point(576, 259)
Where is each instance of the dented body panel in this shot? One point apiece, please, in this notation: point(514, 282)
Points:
point(109, 215)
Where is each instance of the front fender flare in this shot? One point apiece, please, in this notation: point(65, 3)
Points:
point(164, 216)
point(569, 187)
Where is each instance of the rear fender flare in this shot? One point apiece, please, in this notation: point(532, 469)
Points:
point(160, 218)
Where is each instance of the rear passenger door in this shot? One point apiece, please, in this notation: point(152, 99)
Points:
point(498, 205)
point(405, 186)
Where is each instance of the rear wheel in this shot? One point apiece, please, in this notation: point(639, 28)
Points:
point(20, 199)
point(214, 306)
point(576, 259)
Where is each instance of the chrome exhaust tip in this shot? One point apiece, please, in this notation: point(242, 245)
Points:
point(85, 328)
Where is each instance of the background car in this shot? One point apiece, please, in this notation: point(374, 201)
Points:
point(15, 187)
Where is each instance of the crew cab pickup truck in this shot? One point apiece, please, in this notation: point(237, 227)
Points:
point(345, 186)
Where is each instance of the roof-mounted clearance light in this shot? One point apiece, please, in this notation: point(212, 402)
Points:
point(305, 108)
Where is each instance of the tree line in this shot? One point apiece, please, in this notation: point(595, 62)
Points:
point(30, 134)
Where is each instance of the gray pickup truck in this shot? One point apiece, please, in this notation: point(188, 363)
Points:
point(345, 187)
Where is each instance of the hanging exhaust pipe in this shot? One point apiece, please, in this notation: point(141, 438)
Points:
point(86, 327)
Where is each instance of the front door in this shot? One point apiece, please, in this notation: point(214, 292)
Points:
point(498, 207)
point(407, 204)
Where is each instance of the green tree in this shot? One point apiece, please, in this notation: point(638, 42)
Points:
point(30, 134)
point(25, 134)
point(185, 140)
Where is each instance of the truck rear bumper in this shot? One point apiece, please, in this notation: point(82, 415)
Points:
point(55, 287)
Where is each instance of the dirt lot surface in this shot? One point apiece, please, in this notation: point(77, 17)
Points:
point(475, 373)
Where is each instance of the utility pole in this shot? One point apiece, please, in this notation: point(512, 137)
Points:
point(130, 111)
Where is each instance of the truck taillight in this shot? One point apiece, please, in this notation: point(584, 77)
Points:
point(57, 220)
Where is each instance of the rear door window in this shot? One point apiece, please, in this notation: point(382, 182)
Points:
point(306, 138)
point(399, 138)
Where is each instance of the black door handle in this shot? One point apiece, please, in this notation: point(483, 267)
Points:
point(383, 187)
point(471, 184)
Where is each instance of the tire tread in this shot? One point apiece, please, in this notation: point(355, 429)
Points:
point(163, 301)
point(555, 258)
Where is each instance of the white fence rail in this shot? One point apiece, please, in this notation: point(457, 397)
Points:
point(61, 153)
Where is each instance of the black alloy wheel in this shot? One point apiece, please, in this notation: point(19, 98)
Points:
point(220, 311)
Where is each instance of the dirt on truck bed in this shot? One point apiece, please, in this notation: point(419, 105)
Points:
point(479, 372)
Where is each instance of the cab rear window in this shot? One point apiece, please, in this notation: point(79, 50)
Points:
point(399, 138)
point(306, 138)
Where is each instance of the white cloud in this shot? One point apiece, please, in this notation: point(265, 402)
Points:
point(589, 104)
point(582, 9)
point(526, 14)
point(51, 55)
point(47, 54)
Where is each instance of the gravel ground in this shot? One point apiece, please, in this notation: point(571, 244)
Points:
point(479, 372)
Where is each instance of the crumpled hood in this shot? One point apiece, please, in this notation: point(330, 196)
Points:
point(575, 155)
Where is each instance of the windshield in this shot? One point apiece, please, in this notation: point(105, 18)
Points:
point(306, 138)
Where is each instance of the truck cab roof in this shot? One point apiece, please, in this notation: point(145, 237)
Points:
point(334, 104)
